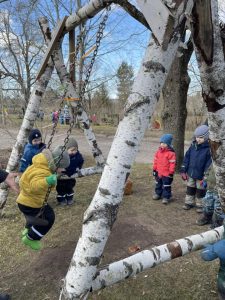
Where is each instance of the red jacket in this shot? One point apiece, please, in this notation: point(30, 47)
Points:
point(164, 161)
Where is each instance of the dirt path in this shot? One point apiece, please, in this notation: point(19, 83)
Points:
point(145, 154)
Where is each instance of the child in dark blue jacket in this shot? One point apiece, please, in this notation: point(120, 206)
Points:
point(35, 146)
point(196, 162)
point(65, 185)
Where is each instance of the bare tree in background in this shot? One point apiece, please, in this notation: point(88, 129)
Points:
point(21, 46)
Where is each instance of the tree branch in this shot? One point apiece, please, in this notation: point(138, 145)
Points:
point(133, 11)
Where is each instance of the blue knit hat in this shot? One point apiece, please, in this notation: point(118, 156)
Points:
point(166, 139)
point(202, 131)
point(34, 134)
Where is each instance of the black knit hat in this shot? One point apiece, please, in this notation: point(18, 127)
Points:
point(34, 134)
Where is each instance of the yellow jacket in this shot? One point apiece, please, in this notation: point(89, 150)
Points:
point(33, 184)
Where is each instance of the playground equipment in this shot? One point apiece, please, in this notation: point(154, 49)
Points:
point(167, 19)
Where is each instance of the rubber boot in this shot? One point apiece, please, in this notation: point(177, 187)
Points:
point(205, 219)
point(165, 201)
point(188, 206)
point(33, 244)
point(217, 220)
point(156, 197)
point(24, 232)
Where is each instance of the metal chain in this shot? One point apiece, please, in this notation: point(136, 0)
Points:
point(68, 133)
point(79, 38)
point(98, 41)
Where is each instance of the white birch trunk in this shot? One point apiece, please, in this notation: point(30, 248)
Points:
point(27, 125)
point(85, 172)
point(146, 259)
point(101, 214)
point(71, 93)
point(86, 12)
point(212, 70)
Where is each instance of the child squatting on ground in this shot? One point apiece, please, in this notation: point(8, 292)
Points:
point(33, 147)
point(164, 168)
point(212, 210)
point(196, 162)
point(34, 185)
point(65, 186)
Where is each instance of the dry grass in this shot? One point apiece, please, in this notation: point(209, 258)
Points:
point(30, 275)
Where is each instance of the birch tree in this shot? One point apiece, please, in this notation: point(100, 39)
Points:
point(210, 56)
point(27, 124)
point(102, 212)
point(71, 93)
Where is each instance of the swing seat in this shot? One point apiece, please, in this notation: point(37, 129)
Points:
point(36, 221)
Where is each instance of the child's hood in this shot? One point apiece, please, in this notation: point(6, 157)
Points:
point(44, 160)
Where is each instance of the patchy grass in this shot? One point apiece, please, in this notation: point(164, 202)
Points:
point(26, 274)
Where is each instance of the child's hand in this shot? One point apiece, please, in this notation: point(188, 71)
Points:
point(52, 179)
point(184, 176)
point(10, 180)
point(216, 250)
point(203, 183)
point(155, 173)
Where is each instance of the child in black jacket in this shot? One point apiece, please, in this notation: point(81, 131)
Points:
point(65, 186)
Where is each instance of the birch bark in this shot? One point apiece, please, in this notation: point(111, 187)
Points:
point(210, 56)
point(146, 259)
point(101, 214)
point(71, 93)
point(85, 172)
point(27, 125)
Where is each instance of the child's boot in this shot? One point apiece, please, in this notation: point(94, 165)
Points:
point(61, 199)
point(24, 232)
point(165, 201)
point(217, 219)
point(33, 244)
point(205, 219)
point(156, 197)
point(188, 206)
point(70, 200)
point(189, 202)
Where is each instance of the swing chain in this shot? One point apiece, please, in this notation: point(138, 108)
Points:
point(98, 41)
point(68, 133)
point(79, 39)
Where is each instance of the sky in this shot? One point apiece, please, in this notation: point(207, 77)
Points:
point(125, 39)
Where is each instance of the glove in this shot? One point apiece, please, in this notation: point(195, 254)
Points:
point(52, 179)
point(155, 173)
point(214, 251)
point(171, 175)
point(184, 176)
point(203, 183)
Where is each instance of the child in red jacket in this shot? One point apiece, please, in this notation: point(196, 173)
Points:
point(164, 168)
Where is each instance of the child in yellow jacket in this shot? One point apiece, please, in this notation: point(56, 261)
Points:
point(34, 185)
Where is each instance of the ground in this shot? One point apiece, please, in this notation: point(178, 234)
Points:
point(141, 222)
